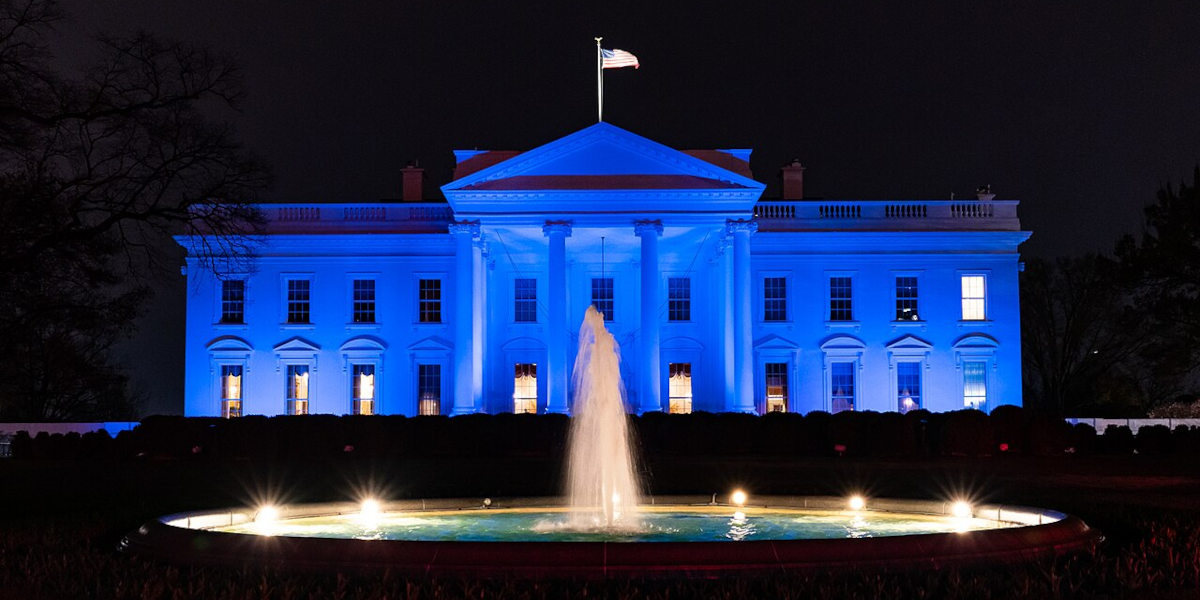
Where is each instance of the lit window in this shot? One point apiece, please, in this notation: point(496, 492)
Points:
point(363, 392)
point(975, 384)
point(841, 379)
point(525, 388)
point(908, 386)
point(231, 391)
point(525, 300)
point(679, 299)
point(233, 301)
point(602, 296)
point(775, 299)
point(364, 301)
point(430, 309)
point(429, 389)
point(298, 295)
point(777, 387)
point(841, 300)
point(974, 289)
point(680, 388)
point(297, 389)
point(906, 299)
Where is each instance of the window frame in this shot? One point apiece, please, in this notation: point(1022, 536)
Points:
point(352, 321)
point(610, 315)
point(293, 405)
point(785, 300)
point(220, 320)
point(984, 300)
point(691, 390)
point(830, 276)
point(419, 380)
point(285, 302)
point(519, 309)
point(682, 304)
point(787, 384)
point(535, 397)
point(419, 313)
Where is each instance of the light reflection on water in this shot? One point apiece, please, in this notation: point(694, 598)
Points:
point(687, 524)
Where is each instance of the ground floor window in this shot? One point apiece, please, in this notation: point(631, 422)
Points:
point(908, 386)
point(525, 388)
point(231, 391)
point(841, 379)
point(975, 384)
point(297, 389)
point(429, 389)
point(777, 387)
point(363, 389)
point(680, 388)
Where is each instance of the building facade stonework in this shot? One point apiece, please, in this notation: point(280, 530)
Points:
point(721, 300)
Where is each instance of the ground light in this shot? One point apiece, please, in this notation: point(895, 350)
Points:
point(266, 514)
point(857, 503)
point(738, 497)
point(961, 509)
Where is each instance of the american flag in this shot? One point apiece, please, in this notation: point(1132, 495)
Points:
point(615, 59)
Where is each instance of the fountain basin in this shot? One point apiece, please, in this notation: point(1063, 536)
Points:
point(881, 536)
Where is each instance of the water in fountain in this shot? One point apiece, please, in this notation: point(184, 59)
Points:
point(602, 485)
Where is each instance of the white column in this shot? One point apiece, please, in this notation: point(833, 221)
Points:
point(650, 398)
point(464, 233)
point(743, 343)
point(557, 330)
point(478, 259)
point(723, 271)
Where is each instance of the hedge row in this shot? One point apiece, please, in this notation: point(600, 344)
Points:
point(1008, 430)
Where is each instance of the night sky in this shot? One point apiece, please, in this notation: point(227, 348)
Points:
point(1080, 110)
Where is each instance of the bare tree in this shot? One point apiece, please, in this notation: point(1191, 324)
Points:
point(95, 171)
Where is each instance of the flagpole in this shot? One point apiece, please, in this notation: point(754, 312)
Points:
point(599, 82)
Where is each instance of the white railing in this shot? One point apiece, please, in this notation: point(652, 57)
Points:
point(320, 215)
point(888, 214)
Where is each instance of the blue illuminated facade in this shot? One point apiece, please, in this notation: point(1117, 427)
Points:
point(721, 300)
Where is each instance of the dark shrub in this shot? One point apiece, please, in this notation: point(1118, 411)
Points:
point(1010, 425)
point(967, 433)
point(1153, 439)
point(1117, 439)
point(1048, 435)
point(1083, 439)
point(21, 445)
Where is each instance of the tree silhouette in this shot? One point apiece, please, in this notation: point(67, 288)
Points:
point(95, 171)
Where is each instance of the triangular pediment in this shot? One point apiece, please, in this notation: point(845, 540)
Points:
point(774, 342)
point(297, 344)
point(595, 160)
point(431, 343)
point(909, 342)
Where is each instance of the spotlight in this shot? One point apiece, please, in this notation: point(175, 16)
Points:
point(961, 509)
point(266, 514)
point(371, 508)
point(738, 497)
point(857, 503)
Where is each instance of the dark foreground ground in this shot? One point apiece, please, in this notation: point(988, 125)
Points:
point(60, 522)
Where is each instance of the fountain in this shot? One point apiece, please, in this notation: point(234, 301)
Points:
point(602, 486)
point(607, 527)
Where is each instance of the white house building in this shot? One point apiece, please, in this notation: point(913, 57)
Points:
point(721, 300)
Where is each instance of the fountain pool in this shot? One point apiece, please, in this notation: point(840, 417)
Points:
point(678, 535)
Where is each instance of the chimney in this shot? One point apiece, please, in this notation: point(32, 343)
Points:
point(413, 183)
point(793, 180)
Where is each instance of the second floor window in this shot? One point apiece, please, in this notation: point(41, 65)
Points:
point(430, 299)
point(841, 299)
point(775, 299)
point(679, 299)
point(525, 300)
point(906, 299)
point(298, 294)
point(974, 290)
point(364, 301)
point(602, 296)
point(233, 301)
